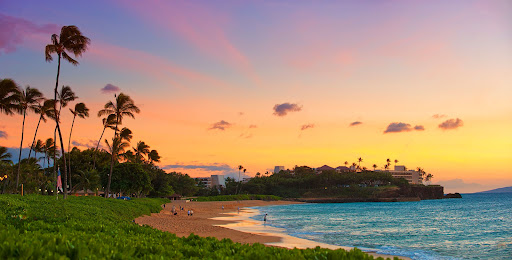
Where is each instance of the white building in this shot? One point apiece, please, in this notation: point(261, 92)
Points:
point(277, 169)
point(217, 181)
point(412, 176)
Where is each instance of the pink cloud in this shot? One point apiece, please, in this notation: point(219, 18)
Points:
point(203, 28)
point(148, 64)
point(14, 30)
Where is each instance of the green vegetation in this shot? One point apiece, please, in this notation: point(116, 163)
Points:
point(238, 197)
point(42, 227)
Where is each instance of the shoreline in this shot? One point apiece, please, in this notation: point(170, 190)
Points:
point(209, 220)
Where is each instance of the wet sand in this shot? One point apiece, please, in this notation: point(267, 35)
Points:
point(210, 220)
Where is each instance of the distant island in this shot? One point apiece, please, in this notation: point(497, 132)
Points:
point(499, 190)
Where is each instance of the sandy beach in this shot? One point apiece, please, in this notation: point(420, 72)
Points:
point(210, 220)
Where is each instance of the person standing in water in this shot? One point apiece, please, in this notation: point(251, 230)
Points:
point(265, 219)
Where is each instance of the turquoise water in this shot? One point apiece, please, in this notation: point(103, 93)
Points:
point(478, 226)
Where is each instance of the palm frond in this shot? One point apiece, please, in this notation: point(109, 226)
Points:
point(69, 59)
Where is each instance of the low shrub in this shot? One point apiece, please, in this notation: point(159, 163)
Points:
point(43, 227)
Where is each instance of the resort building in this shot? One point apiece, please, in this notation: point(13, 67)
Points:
point(218, 181)
point(212, 181)
point(324, 168)
point(412, 176)
point(277, 169)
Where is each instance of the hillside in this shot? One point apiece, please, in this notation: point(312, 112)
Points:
point(499, 190)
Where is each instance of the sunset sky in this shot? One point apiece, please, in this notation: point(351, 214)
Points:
point(266, 83)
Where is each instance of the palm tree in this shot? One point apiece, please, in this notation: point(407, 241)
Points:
point(81, 111)
point(374, 166)
point(4, 155)
point(396, 161)
point(153, 156)
point(27, 99)
point(141, 150)
point(38, 147)
point(124, 106)
point(386, 166)
point(71, 40)
point(360, 160)
point(8, 97)
point(110, 122)
point(44, 110)
point(240, 167)
point(346, 163)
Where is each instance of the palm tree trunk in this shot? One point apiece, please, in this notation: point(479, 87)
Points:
point(112, 158)
point(57, 115)
point(54, 159)
point(97, 145)
point(21, 146)
point(33, 141)
point(69, 152)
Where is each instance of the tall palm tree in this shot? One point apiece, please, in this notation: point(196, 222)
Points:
point(360, 160)
point(374, 167)
point(141, 150)
point(8, 97)
point(240, 167)
point(44, 110)
point(123, 106)
point(27, 100)
point(153, 156)
point(396, 161)
point(71, 40)
point(81, 111)
point(50, 150)
point(110, 122)
point(386, 166)
point(346, 163)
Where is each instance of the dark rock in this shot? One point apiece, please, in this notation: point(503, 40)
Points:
point(455, 195)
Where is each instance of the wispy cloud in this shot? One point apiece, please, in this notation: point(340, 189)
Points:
point(451, 124)
point(307, 126)
point(356, 123)
point(437, 116)
point(14, 30)
point(419, 128)
point(253, 126)
point(202, 27)
point(221, 125)
point(402, 127)
point(285, 108)
point(3, 134)
point(109, 88)
point(87, 144)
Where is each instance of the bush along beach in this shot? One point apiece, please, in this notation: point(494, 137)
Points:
point(46, 227)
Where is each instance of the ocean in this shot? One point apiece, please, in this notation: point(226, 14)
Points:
point(478, 226)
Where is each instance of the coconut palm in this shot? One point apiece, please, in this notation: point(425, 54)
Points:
point(386, 166)
point(346, 163)
point(374, 166)
point(44, 110)
point(153, 156)
point(27, 100)
point(38, 147)
point(396, 161)
point(240, 167)
point(4, 155)
point(123, 106)
point(8, 97)
point(141, 150)
point(360, 160)
point(70, 40)
point(81, 111)
point(110, 122)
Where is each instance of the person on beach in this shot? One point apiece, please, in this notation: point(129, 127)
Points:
point(222, 207)
point(191, 212)
point(265, 219)
point(164, 206)
point(188, 212)
point(239, 210)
